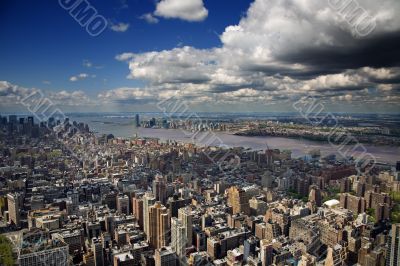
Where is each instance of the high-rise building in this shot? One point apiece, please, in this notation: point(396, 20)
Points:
point(178, 237)
point(315, 196)
point(345, 185)
point(186, 217)
point(352, 203)
point(181, 231)
point(238, 198)
point(148, 201)
point(393, 258)
point(266, 252)
point(14, 204)
point(30, 121)
point(158, 225)
point(97, 248)
point(137, 210)
point(137, 120)
point(160, 189)
point(175, 203)
point(123, 204)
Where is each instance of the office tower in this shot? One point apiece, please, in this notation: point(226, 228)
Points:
point(266, 252)
point(97, 248)
point(137, 121)
point(14, 204)
point(30, 121)
point(158, 225)
point(178, 237)
point(137, 210)
point(148, 201)
point(315, 196)
point(123, 204)
point(181, 231)
point(110, 200)
point(165, 257)
point(175, 203)
point(398, 166)
point(393, 257)
point(186, 217)
point(238, 200)
point(160, 189)
point(152, 122)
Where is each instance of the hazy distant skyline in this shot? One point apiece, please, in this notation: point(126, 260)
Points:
point(221, 56)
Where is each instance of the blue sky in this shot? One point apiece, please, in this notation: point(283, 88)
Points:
point(216, 55)
point(45, 43)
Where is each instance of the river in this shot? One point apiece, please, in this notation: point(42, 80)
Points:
point(123, 127)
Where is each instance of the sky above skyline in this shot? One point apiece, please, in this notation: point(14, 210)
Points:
point(215, 55)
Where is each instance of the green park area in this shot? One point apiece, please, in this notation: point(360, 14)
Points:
point(395, 214)
point(6, 254)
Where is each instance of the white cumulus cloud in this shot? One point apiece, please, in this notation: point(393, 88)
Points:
point(189, 10)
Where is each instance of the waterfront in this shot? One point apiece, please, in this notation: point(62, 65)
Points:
point(121, 126)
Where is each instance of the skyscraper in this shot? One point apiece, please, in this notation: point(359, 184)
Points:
point(137, 206)
point(178, 237)
point(160, 189)
point(123, 204)
point(238, 199)
point(181, 231)
point(137, 120)
point(186, 218)
point(158, 225)
point(315, 196)
point(30, 121)
point(97, 248)
point(148, 201)
point(393, 258)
